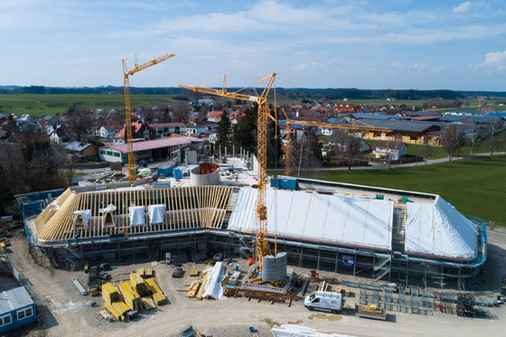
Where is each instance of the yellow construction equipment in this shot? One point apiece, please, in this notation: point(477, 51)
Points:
point(358, 126)
point(128, 126)
point(262, 245)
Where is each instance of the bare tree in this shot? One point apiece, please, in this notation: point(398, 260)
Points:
point(345, 147)
point(79, 122)
point(452, 140)
point(305, 154)
point(204, 109)
point(493, 128)
point(181, 112)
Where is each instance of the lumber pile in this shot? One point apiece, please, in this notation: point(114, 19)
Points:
point(130, 296)
point(158, 295)
point(146, 273)
point(112, 302)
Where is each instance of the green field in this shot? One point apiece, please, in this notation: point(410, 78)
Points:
point(41, 105)
point(474, 186)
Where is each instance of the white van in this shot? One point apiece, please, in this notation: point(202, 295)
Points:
point(324, 300)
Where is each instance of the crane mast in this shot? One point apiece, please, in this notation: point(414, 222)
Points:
point(262, 244)
point(353, 126)
point(126, 89)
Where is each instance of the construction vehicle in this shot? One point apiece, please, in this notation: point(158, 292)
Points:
point(359, 126)
point(262, 245)
point(324, 300)
point(128, 126)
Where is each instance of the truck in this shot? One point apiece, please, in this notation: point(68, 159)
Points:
point(324, 300)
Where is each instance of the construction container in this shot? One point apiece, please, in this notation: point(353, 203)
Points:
point(285, 183)
point(109, 293)
point(158, 295)
point(165, 171)
point(139, 285)
point(130, 296)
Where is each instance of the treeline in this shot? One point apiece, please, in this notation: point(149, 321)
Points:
point(42, 90)
point(292, 93)
point(339, 94)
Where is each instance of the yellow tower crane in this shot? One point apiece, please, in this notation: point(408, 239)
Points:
point(362, 127)
point(128, 126)
point(262, 245)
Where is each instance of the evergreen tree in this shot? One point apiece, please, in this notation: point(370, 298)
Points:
point(223, 130)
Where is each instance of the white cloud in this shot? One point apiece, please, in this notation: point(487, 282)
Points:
point(300, 67)
point(495, 59)
point(462, 8)
point(396, 65)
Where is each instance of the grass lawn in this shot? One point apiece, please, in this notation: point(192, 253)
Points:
point(41, 105)
point(474, 186)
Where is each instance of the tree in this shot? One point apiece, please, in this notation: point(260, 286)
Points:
point(181, 113)
point(246, 134)
point(345, 147)
point(452, 140)
point(79, 122)
point(223, 130)
point(165, 116)
point(473, 136)
point(204, 109)
point(493, 127)
point(305, 153)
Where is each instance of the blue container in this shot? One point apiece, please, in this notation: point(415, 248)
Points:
point(165, 171)
point(285, 183)
point(178, 173)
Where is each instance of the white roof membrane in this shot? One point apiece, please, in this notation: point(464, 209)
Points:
point(439, 229)
point(322, 217)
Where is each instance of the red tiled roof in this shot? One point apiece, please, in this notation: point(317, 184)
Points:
point(136, 126)
point(155, 144)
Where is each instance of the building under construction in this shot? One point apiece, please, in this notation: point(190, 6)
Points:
point(389, 235)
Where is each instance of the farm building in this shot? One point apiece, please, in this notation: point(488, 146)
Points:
point(386, 234)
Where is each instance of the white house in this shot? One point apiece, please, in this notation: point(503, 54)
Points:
point(109, 131)
point(161, 128)
point(390, 150)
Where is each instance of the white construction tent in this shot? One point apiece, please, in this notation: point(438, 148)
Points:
point(319, 217)
point(435, 228)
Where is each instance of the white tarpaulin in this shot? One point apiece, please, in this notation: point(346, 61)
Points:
point(439, 229)
point(156, 213)
point(322, 217)
point(85, 215)
point(137, 215)
point(109, 209)
point(215, 276)
point(291, 330)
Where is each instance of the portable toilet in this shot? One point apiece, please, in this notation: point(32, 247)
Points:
point(178, 172)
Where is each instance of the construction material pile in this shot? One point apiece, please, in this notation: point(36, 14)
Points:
point(133, 296)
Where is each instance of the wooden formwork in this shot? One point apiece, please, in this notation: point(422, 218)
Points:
point(185, 208)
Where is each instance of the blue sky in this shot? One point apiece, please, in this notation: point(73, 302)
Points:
point(315, 44)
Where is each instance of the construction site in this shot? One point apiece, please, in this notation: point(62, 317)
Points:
point(225, 230)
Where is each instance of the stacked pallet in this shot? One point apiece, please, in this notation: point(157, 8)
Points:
point(137, 283)
point(145, 272)
point(158, 295)
point(130, 296)
point(113, 303)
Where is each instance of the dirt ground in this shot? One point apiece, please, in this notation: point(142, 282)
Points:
point(63, 311)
